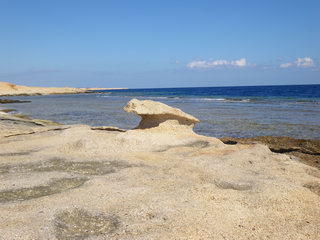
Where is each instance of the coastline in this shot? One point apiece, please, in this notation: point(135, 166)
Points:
point(306, 151)
point(159, 180)
point(9, 89)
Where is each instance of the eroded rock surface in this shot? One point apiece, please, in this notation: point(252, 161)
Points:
point(81, 224)
point(159, 181)
point(306, 150)
point(156, 114)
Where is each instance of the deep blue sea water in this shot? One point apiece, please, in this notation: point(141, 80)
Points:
point(309, 93)
point(224, 111)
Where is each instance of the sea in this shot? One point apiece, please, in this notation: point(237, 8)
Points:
point(246, 111)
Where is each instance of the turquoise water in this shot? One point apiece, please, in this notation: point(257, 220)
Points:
point(231, 111)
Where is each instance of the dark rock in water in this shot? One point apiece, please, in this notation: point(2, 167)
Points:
point(7, 110)
point(7, 101)
point(308, 150)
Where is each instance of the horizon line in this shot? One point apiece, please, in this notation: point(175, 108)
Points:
point(277, 85)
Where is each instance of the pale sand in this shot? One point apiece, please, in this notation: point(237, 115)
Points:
point(160, 182)
point(9, 89)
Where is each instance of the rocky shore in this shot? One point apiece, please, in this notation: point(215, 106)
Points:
point(159, 180)
point(9, 89)
point(306, 150)
point(8, 101)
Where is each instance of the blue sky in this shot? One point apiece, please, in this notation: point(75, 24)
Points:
point(163, 43)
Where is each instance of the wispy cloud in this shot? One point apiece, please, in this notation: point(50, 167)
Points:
point(300, 62)
point(286, 65)
point(218, 63)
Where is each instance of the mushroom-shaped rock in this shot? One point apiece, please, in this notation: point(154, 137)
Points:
point(156, 114)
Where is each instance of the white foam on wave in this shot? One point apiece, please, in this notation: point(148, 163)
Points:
point(182, 98)
point(213, 99)
point(153, 97)
point(221, 100)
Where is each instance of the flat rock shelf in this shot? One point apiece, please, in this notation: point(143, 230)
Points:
point(159, 180)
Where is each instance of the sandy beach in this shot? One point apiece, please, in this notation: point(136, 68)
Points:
point(159, 180)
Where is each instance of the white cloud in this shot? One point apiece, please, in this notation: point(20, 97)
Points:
point(216, 63)
point(286, 65)
point(304, 62)
point(198, 64)
point(240, 63)
point(300, 62)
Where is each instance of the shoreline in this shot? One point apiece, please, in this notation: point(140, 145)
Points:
point(305, 150)
point(9, 89)
point(308, 150)
point(159, 180)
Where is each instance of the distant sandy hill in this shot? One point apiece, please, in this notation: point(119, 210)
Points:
point(12, 89)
